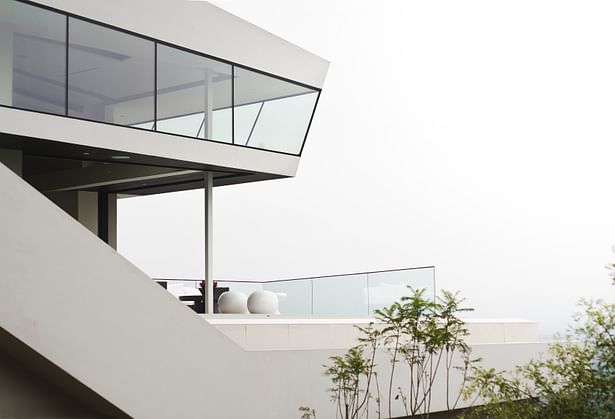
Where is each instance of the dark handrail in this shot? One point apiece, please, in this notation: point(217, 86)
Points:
point(300, 278)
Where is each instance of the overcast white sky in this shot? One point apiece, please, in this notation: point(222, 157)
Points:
point(477, 136)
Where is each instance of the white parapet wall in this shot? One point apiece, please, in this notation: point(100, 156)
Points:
point(501, 343)
point(262, 332)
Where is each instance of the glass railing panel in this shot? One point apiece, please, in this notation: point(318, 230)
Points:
point(190, 84)
point(279, 112)
point(246, 288)
point(110, 75)
point(298, 300)
point(354, 295)
point(388, 287)
point(341, 296)
point(32, 58)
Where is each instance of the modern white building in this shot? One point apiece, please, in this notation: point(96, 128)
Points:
point(101, 100)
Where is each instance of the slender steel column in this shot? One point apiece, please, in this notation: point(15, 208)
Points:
point(209, 249)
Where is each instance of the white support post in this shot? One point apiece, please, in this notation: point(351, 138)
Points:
point(209, 250)
point(208, 103)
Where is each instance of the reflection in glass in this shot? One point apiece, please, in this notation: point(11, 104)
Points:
point(341, 296)
point(270, 113)
point(32, 58)
point(110, 75)
point(194, 95)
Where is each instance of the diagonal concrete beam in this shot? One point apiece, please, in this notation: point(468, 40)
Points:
point(99, 175)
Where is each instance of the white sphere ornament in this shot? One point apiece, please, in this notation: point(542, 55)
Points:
point(263, 302)
point(233, 302)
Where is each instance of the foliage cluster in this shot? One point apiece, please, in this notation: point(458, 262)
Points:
point(424, 334)
point(576, 379)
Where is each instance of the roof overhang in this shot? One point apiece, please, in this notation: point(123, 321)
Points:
point(42, 135)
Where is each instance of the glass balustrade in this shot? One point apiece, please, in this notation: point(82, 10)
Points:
point(351, 295)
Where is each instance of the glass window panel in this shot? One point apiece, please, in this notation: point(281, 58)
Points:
point(283, 123)
point(341, 296)
point(245, 117)
point(190, 84)
point(32, 58)
point(190, 125)
point(280, 121)
point(387, 287)
point(223, 125)
point(110, 75)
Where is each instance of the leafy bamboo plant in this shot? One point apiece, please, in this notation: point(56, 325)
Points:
point(425, 334)
point(353, 374)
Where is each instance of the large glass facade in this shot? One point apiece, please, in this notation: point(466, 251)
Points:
point(32, 58)
point(122, 78)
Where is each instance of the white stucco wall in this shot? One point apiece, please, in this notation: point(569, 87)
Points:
point(262, 332)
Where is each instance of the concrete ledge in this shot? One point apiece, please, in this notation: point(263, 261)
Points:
point(257, 333)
